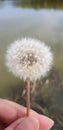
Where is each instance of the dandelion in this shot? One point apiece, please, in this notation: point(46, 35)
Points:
point(29, 59)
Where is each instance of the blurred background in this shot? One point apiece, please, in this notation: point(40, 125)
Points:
point(40, 19)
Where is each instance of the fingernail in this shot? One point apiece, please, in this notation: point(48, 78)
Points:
point(29, 123)
point(49, 124)
point(45, 122)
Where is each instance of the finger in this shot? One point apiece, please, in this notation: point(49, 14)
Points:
point(28, 123)
point(9, 112)
point(44, 121)
point(2, 126)
point(21, 110)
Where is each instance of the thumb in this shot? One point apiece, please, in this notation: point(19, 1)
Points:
point(29, 123)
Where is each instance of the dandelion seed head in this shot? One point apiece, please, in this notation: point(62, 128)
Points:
point(29, 58)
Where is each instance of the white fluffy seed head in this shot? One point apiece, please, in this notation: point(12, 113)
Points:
point(29, 58)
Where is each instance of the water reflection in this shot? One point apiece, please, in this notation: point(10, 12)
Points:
point(37, 4)
point(43, 24)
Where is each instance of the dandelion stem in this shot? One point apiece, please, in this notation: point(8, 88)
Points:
point(28, 96)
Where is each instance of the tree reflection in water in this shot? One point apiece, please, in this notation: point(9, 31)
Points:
point(37, 4)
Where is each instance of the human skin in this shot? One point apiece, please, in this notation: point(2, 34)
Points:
point(13, 117)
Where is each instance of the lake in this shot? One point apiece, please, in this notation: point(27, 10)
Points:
point(40, 20)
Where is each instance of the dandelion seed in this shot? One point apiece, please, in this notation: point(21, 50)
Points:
point(29, 59)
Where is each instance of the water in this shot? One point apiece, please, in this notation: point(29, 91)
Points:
point(25, 19)
point(19, 19)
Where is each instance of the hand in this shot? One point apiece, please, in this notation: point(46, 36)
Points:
point(13, 117)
